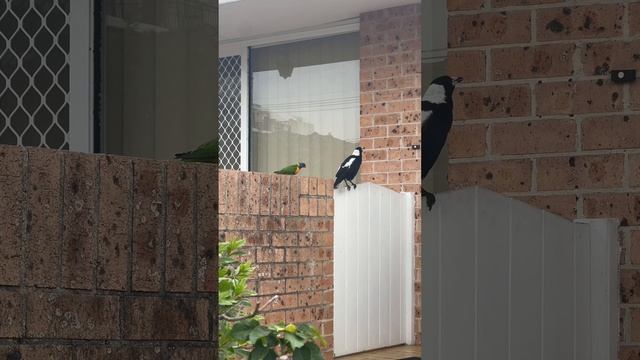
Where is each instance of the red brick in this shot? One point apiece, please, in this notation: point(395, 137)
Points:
point(72, 316)
point(634, 251)
point(471, 65)
point(406, 177)
point(265, 193)
point(492, 102)
point(411, 164)
point(380, 179)
point(207, 229)
point(272, 223)
point(387, 142)
point(147, 224)
point(386, 166)
point(11, 314)
point(44, 238)
point(402, 154)
point(11, 214)
point(51, 352)
point(532, 62)
point(386, 119)
point(167, 319)
point(635, 96)
point(581, 22)
point(409, 81)
point(115, 222)
point(504, 3)
point(629, 286)
point(275, 195)
point(500, 176)
point(467, 141)
point(404, 130)
point(270, 287)
point(580, 172)
point(629, 352)
point(489, 28)
point(563, 205)
point(634, 18)
point(79, 217)
point(294, 197)
point(458, 5)
point(611, 132)
point(622, 206)
point(304, 206)
point(231, 193)
point(374, 155)
point(269, 255)
point(285, 191)
point(285, 270)
point(578, 98)
point(180, 227)
point(533, 137)
point(599, 58)
point(634, 170)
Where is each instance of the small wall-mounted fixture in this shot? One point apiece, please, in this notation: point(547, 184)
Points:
point(415, 147)
point(623, 76)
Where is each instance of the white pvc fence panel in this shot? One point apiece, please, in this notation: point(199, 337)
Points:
point(504, 280)
point(373, 268)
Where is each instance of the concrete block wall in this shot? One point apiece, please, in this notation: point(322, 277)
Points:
point(106, 257)
point(287, 222)
point(539, 119)
point(390, 93)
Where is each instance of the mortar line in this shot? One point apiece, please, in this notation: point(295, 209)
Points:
point(164, 194)
point(524, 8)
point(194, 231)
point(96, 246)
point(60, 270)
point(23, 240)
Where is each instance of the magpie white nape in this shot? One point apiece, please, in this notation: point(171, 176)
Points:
point(349, 169)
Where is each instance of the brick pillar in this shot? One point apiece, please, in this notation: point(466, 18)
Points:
point(390, 66)
point(539, 119)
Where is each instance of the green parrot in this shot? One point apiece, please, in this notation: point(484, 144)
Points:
point(291, 169)
point(207, 152)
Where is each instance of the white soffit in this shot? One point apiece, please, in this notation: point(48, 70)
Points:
point(246, 19)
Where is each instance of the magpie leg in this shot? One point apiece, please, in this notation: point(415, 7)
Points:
point(347, 184)
point(352, 183)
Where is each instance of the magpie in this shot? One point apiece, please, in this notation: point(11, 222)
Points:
point(437, 117)
point(348, 169)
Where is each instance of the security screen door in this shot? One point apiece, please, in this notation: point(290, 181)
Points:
point(45, 82)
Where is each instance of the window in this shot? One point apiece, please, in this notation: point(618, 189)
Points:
point(160, 76)
point(304, 104)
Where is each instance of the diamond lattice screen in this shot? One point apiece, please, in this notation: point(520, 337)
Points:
point(229, 107)
point(34, 73)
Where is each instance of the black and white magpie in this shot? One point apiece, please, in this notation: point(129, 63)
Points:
point(437, 117)
point(349, 169)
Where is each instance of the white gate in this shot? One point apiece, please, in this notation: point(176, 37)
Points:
point(504, 280)
point(373, 269)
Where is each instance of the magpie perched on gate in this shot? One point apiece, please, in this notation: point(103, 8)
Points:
point(437, 117)
point(349, 169)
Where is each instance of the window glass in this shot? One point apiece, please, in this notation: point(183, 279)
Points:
point(305, 104)
point(160, 76)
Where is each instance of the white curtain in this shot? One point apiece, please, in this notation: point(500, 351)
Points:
point(305, 104)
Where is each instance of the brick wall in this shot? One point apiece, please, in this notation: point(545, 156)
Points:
point(539, 119)
point(390, 82)
point(106, 257)
point(287, 222)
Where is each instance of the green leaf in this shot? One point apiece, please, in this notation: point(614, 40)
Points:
point(259, 353)
point(314, 351)
point(257, 333)
point(302, 353)
point(294, 340)
point(243, 328)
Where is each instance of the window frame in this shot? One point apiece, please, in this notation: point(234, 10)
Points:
point(241, 47)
